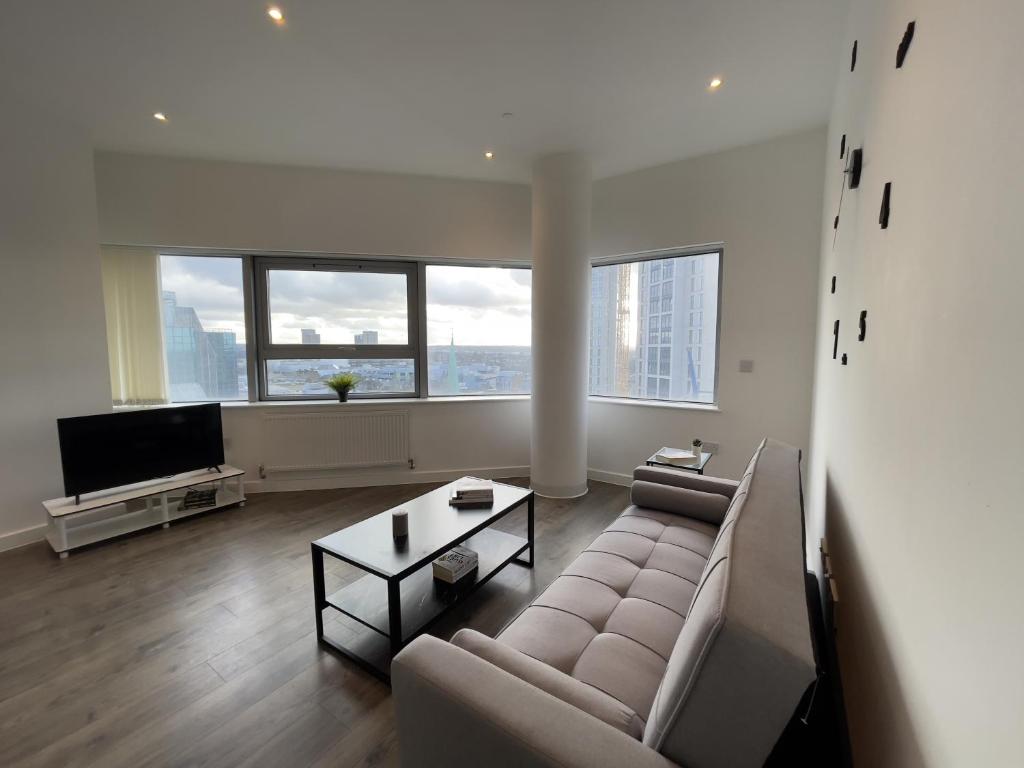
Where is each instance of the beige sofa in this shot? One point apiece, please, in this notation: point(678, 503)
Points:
point(680, 636)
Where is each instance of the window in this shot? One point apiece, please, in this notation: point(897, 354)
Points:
point(203, 310)
point(675, 298)
point(319, 318)
point(478, 330)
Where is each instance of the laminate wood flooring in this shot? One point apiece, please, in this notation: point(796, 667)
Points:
point(195, 645)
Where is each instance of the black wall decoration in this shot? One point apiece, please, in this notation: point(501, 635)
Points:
point(863, 325)
point(845, 360)
point(901, 52)
point(842, 147)
point(835, 339)
point(833, 283)
point(855, 167)
point(853, 57)
point(883, 214)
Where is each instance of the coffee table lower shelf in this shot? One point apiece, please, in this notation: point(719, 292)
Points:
point(422, 601)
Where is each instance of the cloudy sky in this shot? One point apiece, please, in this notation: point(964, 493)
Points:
point(480, 305)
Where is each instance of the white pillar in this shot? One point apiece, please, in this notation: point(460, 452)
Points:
point(561, 298)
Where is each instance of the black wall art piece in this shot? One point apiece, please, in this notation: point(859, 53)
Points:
point(853, 57)
point(835, 339)
point(842, 147)
point(845, 359)
point(883, 214)
point(863, 325)
point(856, 164)
point(835, 222)
point(833, 283)
point(901, 52)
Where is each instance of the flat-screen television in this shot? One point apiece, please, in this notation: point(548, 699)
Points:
point(112, 449)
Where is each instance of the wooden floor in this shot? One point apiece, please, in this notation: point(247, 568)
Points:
point(195, 646)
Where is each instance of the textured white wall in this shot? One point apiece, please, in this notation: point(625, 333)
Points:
point(53, 348)
point(764, 203)
point(916, 450)
point(146, 200)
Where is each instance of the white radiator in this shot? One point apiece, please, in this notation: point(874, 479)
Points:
point(347, 439)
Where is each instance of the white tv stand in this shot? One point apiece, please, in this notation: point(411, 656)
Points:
point(117, 511)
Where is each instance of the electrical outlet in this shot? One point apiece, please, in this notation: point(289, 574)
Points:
point(709, 447)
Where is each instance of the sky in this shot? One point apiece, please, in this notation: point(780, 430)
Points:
point(482, 306)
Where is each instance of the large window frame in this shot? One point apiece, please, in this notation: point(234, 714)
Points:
point(260, 349)
point(661, 255)
point(266, 350)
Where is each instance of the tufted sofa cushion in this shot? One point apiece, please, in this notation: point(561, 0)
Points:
point(613, 617)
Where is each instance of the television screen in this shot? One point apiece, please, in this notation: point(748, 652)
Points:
point(112, 449)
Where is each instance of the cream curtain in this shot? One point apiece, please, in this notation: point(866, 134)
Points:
point(131, 294)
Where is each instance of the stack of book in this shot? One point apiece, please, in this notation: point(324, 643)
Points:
point(472, 492)
point(194, 499)
point(676, 456)
point(455, 564)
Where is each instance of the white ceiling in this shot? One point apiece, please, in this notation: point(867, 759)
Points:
point(420, 86)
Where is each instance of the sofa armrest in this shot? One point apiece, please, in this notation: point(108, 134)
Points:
point(453, 706)
point(699, 505)
point(585, 697)
point(680, 478)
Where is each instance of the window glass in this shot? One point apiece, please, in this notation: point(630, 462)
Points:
point(675, 300)
point(308, 376)
point(317, 306)
point(478, 330)
point(203, 309)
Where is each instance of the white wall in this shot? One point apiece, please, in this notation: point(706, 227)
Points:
point(53, 349)
point(916, 454)
point(764, 203)
point(447, 440)
point(208, 204)
point(146, 200)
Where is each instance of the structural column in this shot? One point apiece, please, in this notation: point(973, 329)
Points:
point(561, 294)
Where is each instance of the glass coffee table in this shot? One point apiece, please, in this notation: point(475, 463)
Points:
point(398, 598)
point(694, 466)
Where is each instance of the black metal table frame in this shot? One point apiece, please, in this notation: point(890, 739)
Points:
point(394, 633)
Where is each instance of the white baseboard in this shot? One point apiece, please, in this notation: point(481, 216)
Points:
point(16, 539)
point(282, 481)
point(615, 478)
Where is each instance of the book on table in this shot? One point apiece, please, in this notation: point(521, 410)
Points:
point(472, 492)
point(679, 456)
point(455, 564)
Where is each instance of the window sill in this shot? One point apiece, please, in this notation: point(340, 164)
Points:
point(376, 402)
point(676, 406)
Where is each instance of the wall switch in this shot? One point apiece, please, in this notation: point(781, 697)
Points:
point(746, 366)
point(709, 447)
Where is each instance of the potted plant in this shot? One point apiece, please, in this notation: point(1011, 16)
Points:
point(342, 383)
point(697, 443)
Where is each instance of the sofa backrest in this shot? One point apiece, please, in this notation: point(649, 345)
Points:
point(744, 658)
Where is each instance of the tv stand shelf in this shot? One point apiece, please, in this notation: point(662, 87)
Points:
point(129, 508)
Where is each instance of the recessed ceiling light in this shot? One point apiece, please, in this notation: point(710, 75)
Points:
point(489, 155)
point(715, 84)
point(160, 116)
point(276, 14)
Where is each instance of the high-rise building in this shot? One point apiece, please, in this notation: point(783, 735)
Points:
point(201, 365)
point(367, 337)
point(611, 369)
point(678, 303)
point(310, 336)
